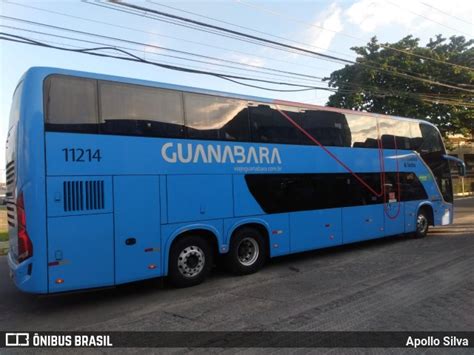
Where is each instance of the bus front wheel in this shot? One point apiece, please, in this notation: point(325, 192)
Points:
point(247, 253)
point(422, 223)
point(190, 261)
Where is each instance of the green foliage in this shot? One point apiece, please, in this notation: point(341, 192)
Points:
point(362, 87)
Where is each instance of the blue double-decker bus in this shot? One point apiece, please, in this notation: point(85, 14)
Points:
point(112, 180)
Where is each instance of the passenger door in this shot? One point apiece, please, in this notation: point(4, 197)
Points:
point(137, 228)
point(316, 220)
point(394, 214)
point(364, 219)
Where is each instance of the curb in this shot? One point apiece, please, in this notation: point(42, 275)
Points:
point(457, 198)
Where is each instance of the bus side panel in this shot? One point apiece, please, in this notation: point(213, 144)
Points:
point(315, 229)
point(199, 197)
point(394, 218)
point(362, 223)
point(80, 252)
point(410, 216)
point(244, 203)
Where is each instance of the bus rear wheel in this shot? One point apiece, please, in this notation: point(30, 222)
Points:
point(422, 224)
point(247, 253)
point(190, 261)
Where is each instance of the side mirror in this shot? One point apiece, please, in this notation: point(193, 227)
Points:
point(459, 163)
point(461, 169)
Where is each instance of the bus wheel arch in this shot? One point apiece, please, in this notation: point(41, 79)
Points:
point(190, 256)
point(429, 211)
point(249, 248)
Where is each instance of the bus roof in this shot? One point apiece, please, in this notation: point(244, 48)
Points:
point(43, 72)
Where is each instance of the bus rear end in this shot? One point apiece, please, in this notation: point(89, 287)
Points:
point(26, 188)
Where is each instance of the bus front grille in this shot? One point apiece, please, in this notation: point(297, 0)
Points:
point(83, 195)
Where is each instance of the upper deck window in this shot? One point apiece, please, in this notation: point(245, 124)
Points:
point(270, 126)
point(327, 127)
point(82, 105)
point(71, 104)
point(395, 134)
point(140, 110)
point(363, 131)
point(431, 139)
point(214, 117)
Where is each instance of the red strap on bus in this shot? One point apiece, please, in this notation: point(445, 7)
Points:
point(314, 140)
point(381, 163)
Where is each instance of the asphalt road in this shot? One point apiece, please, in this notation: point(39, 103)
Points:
point(390, 284)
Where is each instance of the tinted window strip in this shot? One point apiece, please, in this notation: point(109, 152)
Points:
point(282, 193)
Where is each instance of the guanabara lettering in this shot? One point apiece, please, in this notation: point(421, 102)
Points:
point(216, 153)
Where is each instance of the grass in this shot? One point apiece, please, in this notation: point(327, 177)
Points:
point(3, 231)
point(3, 236)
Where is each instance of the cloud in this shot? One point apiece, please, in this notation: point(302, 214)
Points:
point(258, 62)
point(152, 48)
point(370, 15)
point(330, 19)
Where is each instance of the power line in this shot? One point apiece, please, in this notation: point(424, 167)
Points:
point(226, 30)
point(275, 13)
point(373, 90)
point(162, 19)
point(134, 58)
point(307, 76)
point(246, 28)
point(252, 55)
point(150, 53)
point(395, 73)
point(181, 58)
point(445, 13)
point(148, 15)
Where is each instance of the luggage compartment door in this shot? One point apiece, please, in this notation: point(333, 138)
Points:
point(80, 232)
point(137, 228)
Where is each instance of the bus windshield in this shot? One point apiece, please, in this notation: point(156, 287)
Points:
point(431, 148)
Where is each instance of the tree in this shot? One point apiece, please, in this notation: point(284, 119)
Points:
point(371, 84)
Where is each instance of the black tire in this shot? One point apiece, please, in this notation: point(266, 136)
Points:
point(239, 259)
point(422, 223)
point(195, 263)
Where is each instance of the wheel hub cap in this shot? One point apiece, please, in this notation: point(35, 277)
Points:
point(191, 261)
point(421, 223)
point(248, 251)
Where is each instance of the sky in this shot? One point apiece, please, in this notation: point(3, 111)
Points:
point(329, 27)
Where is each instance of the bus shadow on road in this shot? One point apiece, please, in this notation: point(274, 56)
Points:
point(144, 288)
